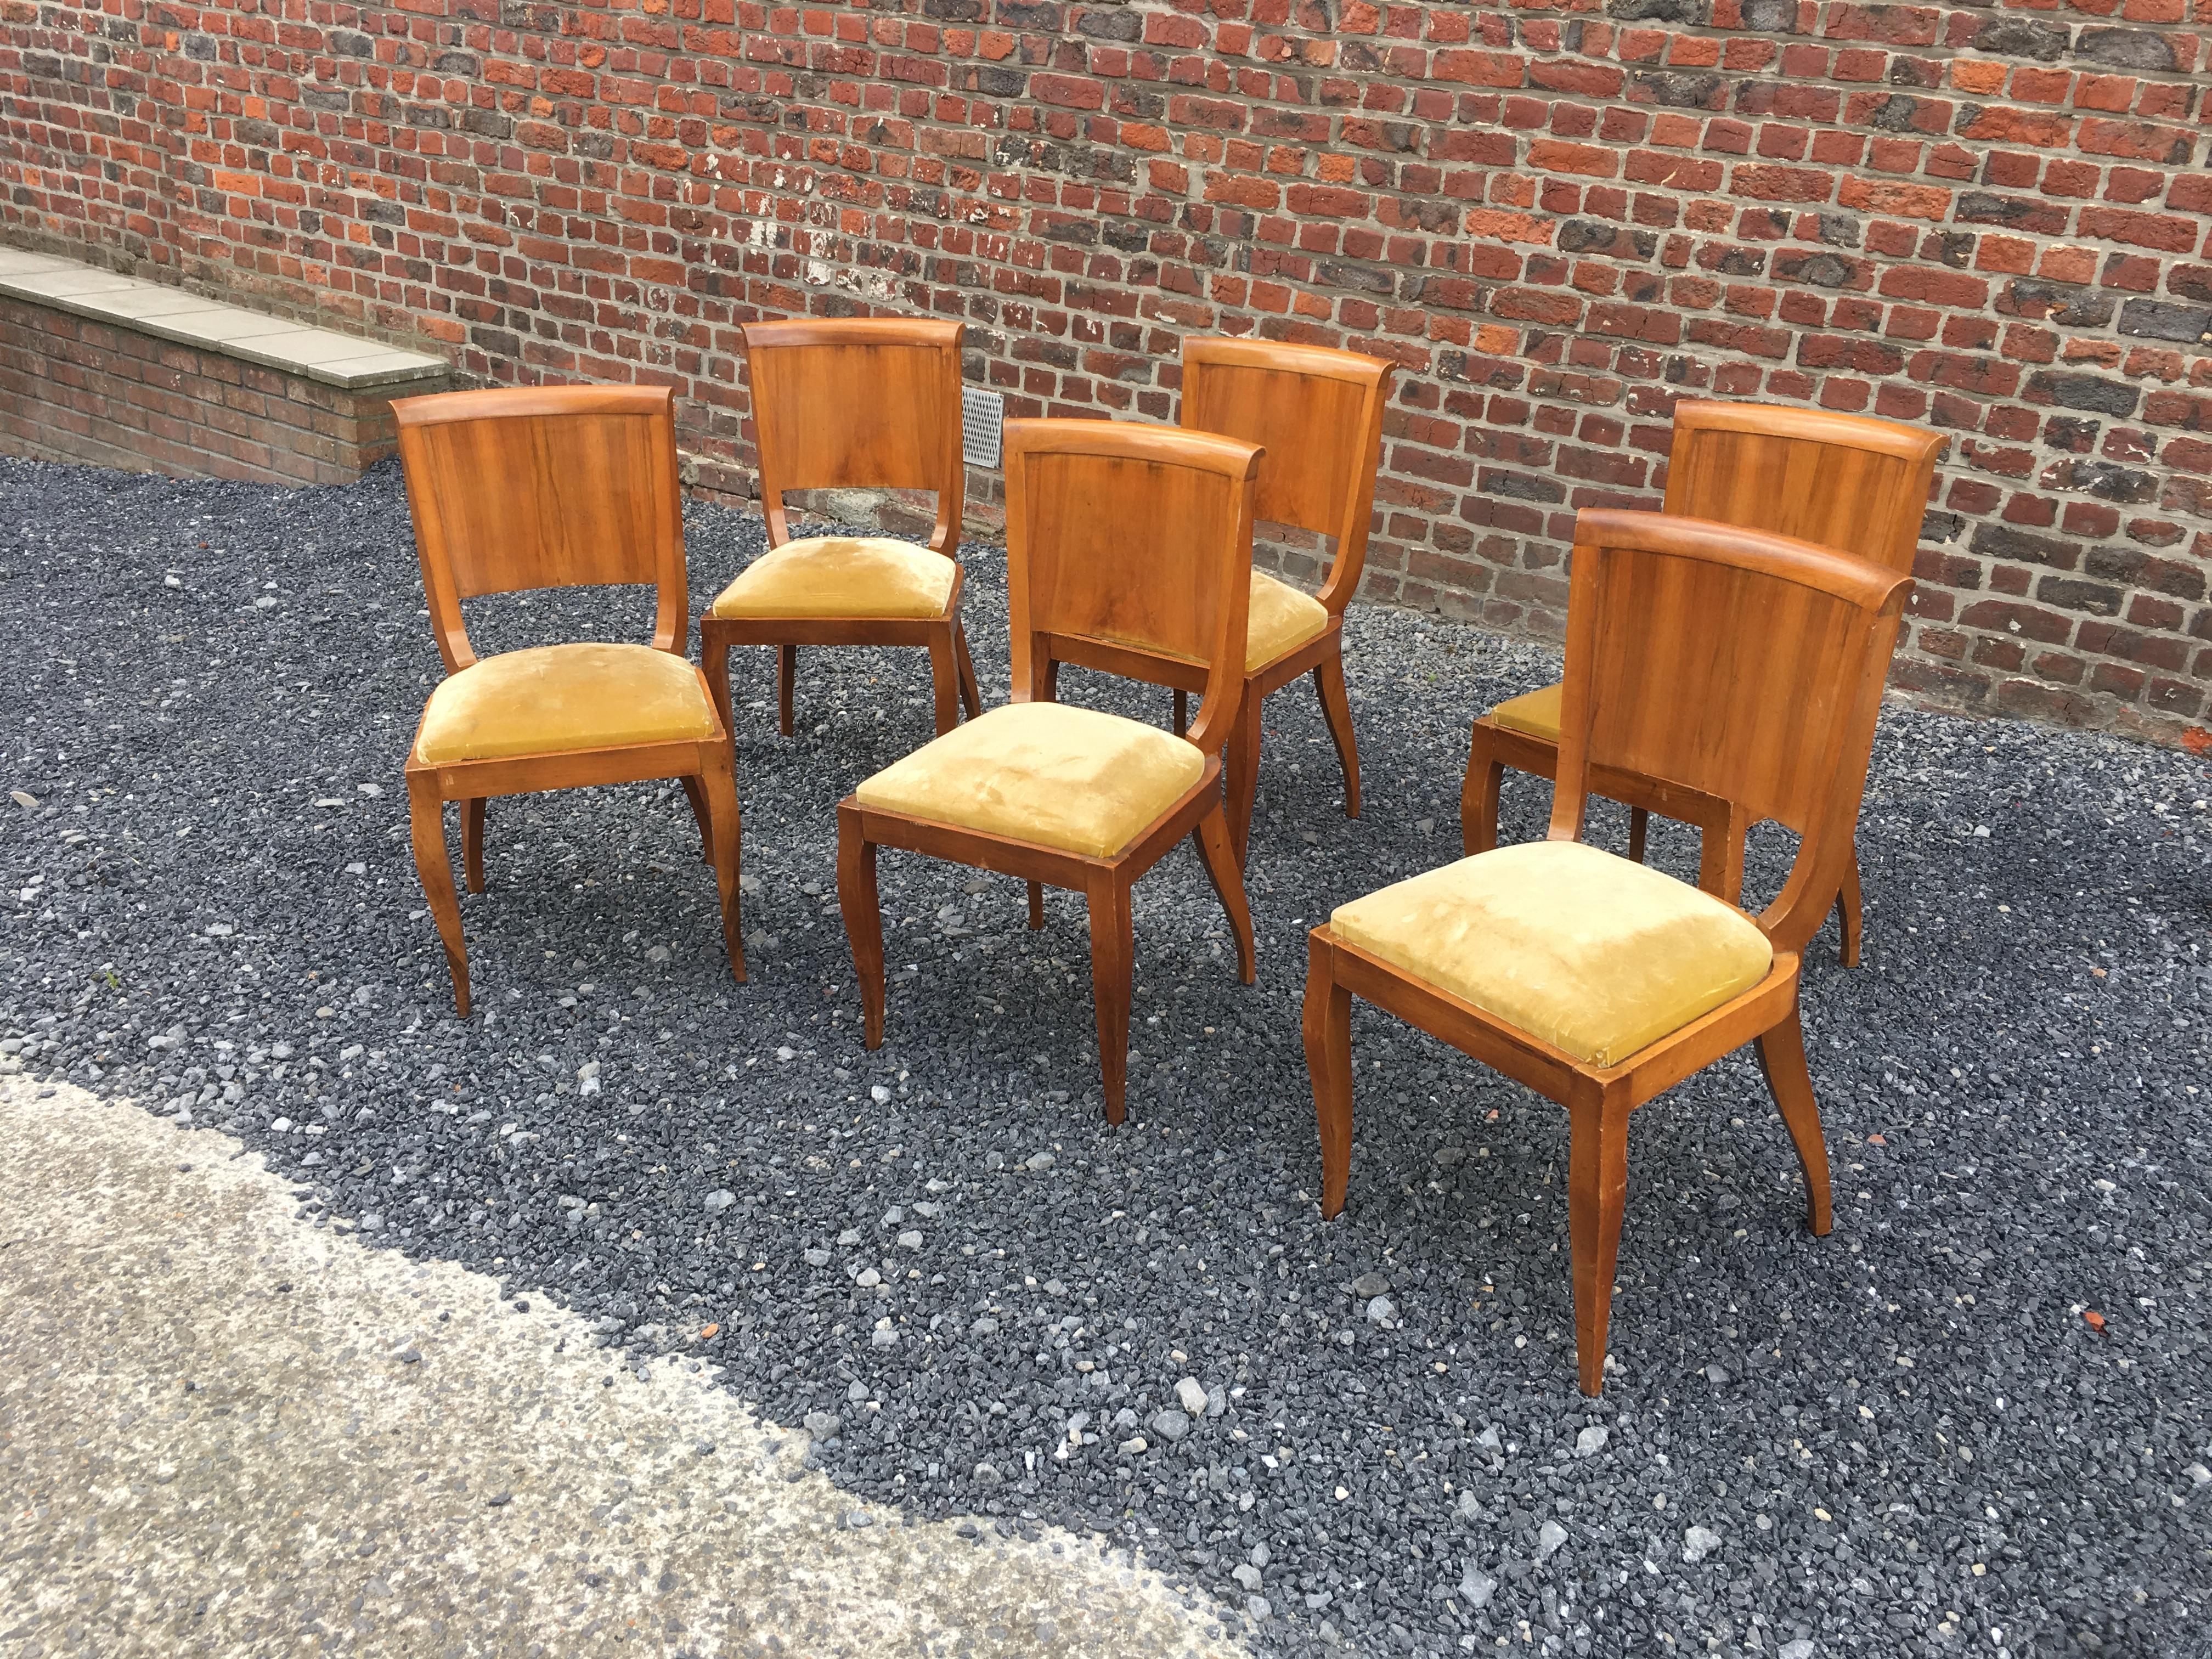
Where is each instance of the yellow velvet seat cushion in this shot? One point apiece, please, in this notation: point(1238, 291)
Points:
point(553, 699)
point(1590, 953)
point(1071, 778)
point(842, 576)
point(1281, 617)
point(1536, 712)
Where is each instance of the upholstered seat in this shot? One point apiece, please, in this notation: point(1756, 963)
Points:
point(1591, 953)
point(842, 576)
point(1071, 778)
point(1536, 712)
point(553, 699)
point(1281, 619)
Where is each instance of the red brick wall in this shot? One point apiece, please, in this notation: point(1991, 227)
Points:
point(1559, 217)
point(72, 390)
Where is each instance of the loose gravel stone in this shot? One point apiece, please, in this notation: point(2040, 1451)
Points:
point(2031, 1020)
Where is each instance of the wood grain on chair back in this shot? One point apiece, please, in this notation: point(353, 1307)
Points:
point(1132, 535)
point(543, 487)
point(1746, 664)
point(857, 403)
point(1318, 414)
point(1847, 481)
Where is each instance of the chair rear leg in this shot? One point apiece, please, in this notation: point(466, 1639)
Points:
point(714, 792)
point(1720, 855)
point(1219, 857)
point(1639, 825)
point(1849, 915)
point(1782, 1057)
point(971, 694)
point(1336, 709)
point(1241, 779)
point(472, 833)
point(1598, 1193)
point(702, 816)
point(863, 919)
point(1036, 906)
point(1181, 712)
point(787, 676)
point(1325, 1024)
point(715, 662)
point(1113, 961)
point(426, 817)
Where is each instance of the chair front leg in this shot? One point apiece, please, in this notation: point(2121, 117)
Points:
point(1782, 1057)
point(1598, 1193)
point(945, 678)
point(864, 919)
point(426, 817)
point(971, 694)
point(1325, 1024)
point(1477, 797)
point(714, 663)
point(1336, 709)
point(472, 834)
point(714, 793)
point(1219, 857)
point(1241, 769)
point(702, 815)
point(1113, 962)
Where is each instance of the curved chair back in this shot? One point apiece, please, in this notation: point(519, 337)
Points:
point(1847, 481)
point(858, 402)
point(1318, 414)
point(1130, 535)
point(1744, 664)
point(558, 486)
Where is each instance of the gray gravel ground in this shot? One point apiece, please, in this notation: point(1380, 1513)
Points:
point(1907, 1439)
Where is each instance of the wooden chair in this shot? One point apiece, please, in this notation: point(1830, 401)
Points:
point(841, 402)
point(1841, 481)
point(554, 487)
point(1317, 415)
point(1130, 537)
point(1749, 666)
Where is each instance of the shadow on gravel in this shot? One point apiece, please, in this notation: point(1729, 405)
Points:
point(1904, 1439)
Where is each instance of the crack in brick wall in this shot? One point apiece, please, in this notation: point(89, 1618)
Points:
point(1993, 219)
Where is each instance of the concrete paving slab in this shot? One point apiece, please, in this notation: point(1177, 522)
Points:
point(227, 1431)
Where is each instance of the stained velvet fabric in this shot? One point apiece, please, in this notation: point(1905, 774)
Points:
point(841, 576)
point(1280, 618)
point(1590, 953)
point(1071, 778)
point(1536, 712)
point(552, 699)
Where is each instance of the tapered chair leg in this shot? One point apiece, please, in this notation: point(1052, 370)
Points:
point(715, 662)
point(1181, 712)
point(1336, 709)
point(786, 677)
point(426, 816)
point(1720, 855)
point(1241, 771)
point(1478, 798)
point(1598, 1193)
point(971, 694)
point(696, 794)
point(1325, 1024)
point(944, 680)
point(1782, 1056)
point(864, 920)
point(715, 795)
point(1113, 961)
point(1639, 825)
point(1036, 906)
point(472, 834)
point(1849, 914)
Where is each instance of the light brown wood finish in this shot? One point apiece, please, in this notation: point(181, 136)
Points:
point(1848, 482)
point(1751, 666)
point(1131, 539)
point(1317, 414)
point(849, 403)
point(551, 487)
